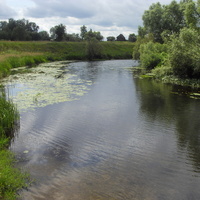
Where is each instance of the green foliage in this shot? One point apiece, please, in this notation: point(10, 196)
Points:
point(83, 30)
point(22, 30)
point(93, 34)
point(161, 18)
point(132, 38)
point(138, 43)
point(152, 20)
point(8, 116)
point(44, 35)
point(192, 13)
point(111, 38)
point(88, 35)
point(162, 71)
point(184, 54)
point(11, 179)
point(152, 54)
point(73, 37)
point(93, 49)
point(177, 26)
point(58, 32)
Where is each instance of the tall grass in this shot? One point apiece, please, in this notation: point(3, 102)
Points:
point(8, 115)
point(11, 179)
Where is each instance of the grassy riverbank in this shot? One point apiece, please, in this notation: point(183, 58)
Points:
point(16, 54)
point(11, 179)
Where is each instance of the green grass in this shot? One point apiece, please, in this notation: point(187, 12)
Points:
point(11, 178)
point(117, 50)
point(17, 54)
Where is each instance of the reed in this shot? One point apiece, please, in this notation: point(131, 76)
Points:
point(11, 178)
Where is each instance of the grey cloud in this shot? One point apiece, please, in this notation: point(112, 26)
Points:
point(61, 8)
point(125, 15)
point(5, 11)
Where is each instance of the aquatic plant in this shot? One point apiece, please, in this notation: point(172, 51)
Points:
point(46, 84)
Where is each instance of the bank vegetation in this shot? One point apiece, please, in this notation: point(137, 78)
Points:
point(168, 45)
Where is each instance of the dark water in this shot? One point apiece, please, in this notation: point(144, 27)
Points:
point(125, 139)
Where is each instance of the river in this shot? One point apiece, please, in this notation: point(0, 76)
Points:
point(94, 131)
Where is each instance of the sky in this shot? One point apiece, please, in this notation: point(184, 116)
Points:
point(110, 17)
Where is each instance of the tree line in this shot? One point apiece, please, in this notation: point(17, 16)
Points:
point(23, 30)
point(168, 43)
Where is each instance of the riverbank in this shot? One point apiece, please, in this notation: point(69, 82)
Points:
point(17, 54)
point(167, 79)
point(11, 179)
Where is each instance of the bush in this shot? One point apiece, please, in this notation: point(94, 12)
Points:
point(152, 54)
point(138, 43)
point(162, 71)
point(93, 49)
point(184, 54)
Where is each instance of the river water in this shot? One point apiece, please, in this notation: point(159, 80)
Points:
point(111, 135)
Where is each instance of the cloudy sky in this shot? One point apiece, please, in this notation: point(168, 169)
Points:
point(110, 17)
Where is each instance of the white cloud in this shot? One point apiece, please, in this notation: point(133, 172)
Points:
point(110, 17)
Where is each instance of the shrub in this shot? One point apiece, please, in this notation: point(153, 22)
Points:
point(162, 71)
point(93, 49)
point(152, 54)
point(184, 54)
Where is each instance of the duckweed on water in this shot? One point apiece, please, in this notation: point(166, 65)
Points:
point(46, 84)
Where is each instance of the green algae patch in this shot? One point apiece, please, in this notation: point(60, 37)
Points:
point(46, 84)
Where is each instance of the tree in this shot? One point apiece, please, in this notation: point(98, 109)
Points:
point(44, 35)
point(93, 34)
point(152, 54)
point(184, 54)
point(20, 29)
point(60, 32)
point(73, 37)
point(161, 18)
point(18, 33)
point(121, 37)
point(83, 32)
point(93, 49)
point(111, 38)
point(192, 13)
point(142, 31)
point(152, 20)
point(132, 38)
point(53, 33)
point(31, 26)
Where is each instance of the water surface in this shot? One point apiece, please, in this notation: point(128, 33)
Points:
point(117, 138)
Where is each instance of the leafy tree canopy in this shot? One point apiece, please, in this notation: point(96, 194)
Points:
point(20, 29)
point(132, 38)
point(170, 18)
point(110, 38)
